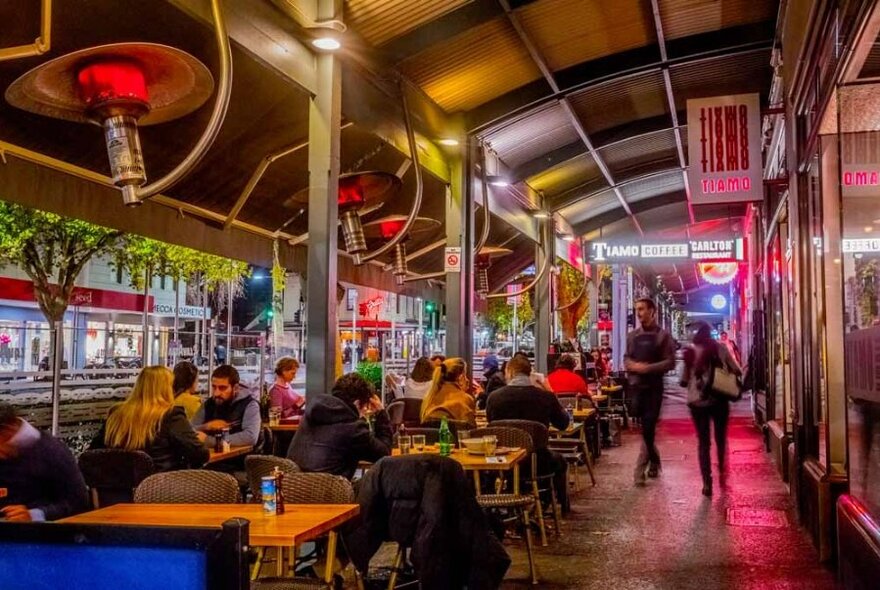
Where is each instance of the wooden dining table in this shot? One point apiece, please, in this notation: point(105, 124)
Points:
point(478, 463)
point(299, 523)
point(233, 452)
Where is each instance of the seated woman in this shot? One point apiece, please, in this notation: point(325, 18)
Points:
point(334, 434)
point(449, 395)
point(282, 395)
point(419, 381)
point(149, 421)
point(186, 378)
point(563, 380)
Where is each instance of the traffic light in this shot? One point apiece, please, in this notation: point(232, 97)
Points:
point(429, 307)
point(270, 313)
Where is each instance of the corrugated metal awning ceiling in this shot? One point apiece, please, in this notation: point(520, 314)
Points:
point(541, 132)
point(379, 21)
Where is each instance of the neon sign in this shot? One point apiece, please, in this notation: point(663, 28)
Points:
point(371, 306)
point(727, 249)
point(718, 301)
point(718, 273)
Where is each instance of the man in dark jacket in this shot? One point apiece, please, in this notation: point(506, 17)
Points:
point(520, 400)
point(494, 379)
point(229, 407)
point(335, 435)
point(39, 479)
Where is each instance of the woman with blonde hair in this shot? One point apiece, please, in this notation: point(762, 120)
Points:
point(149, 421)
point(448, 395)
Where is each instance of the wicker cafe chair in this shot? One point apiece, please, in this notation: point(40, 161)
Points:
point(113, 474)
point(518, 505)
point(308, 488)
point(192, 486)
point(259, 466)
point(540, 483)
point(395, 412)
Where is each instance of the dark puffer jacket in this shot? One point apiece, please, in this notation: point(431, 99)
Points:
point(425, 502)
point(333, 438)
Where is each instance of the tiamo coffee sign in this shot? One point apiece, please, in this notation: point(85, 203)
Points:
point(724, 148)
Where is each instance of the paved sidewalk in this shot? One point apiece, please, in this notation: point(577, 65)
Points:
point(667, 535)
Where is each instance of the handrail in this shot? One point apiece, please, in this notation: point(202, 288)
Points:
point(41, 44)
point(224, 90)
point(583, 287)
point(538, 276)
point(360, 258)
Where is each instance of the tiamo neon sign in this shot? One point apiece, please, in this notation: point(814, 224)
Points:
point(724, 140)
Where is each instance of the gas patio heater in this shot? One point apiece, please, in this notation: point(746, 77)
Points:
point(122, 86)
point(484, 260)
point(386, 228)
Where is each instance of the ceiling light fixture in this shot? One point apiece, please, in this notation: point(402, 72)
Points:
point(448, 141)
point(497, 180)
point(326, 43)
point(541, 214)
point(568, 237)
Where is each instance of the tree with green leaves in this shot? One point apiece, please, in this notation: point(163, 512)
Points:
point(52, 250)
point(571, 286)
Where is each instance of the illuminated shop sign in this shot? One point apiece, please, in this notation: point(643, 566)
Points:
point(694, 250)
point(724, 139)
point(718, 273)
point(861, 245)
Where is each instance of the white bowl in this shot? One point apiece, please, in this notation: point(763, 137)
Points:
point(474, 446)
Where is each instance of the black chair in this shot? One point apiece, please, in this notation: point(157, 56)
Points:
point(454, 426)
point(395, 412)
point(412, 411)
point(113, 474)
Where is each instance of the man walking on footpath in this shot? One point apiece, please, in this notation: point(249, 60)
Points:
point(650, 352)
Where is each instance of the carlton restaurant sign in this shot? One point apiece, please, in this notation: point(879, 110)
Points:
point(724, 149)
point(717, 250)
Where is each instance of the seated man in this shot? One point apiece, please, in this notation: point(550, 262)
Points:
point(521, 400)
point(334, 434)
point(564, 380)
point(229, 407)
point(39, 478)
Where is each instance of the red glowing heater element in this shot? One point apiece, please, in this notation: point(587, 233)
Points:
point(119, 87)
point(389, 229)
point(718, 273)
point(350, 195)
point(112, 80)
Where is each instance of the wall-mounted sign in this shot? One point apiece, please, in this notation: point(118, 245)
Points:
point(718, 301)
point(729, 249)
point(724, 148)
point(861, 245)
point(371, 307)
point(186, 311)
point(452, 259)
point(718, 273)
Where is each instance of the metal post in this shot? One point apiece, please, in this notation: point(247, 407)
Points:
point(514, 326)
point(57, 362)
point(145, 319)
point(325, 112)
point(421, 331)
point(212, 339)
point(175, 351)
point(229, 323)
point(460, 232)
point(543, 299)
point(203, 339)
point(261, 381)
point(354, 320)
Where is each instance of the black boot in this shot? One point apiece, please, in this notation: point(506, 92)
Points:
point(707, 487)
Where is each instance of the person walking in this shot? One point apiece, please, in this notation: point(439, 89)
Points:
point(699, 359)
point(650, 352)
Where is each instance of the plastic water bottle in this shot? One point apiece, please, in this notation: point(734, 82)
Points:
point(267, 491)
point(279, 490)
point(445, 442)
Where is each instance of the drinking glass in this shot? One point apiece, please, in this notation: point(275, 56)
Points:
point(405, 444)
point(418, 441)
point(462, 435)
point(274, 416)
point(490, 443)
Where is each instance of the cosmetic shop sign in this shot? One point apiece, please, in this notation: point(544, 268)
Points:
point(724, 149)
point(702, 250)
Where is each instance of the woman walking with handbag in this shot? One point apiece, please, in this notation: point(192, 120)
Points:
point(708, 369)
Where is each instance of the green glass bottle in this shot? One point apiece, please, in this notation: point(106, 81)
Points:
point(446, 441)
